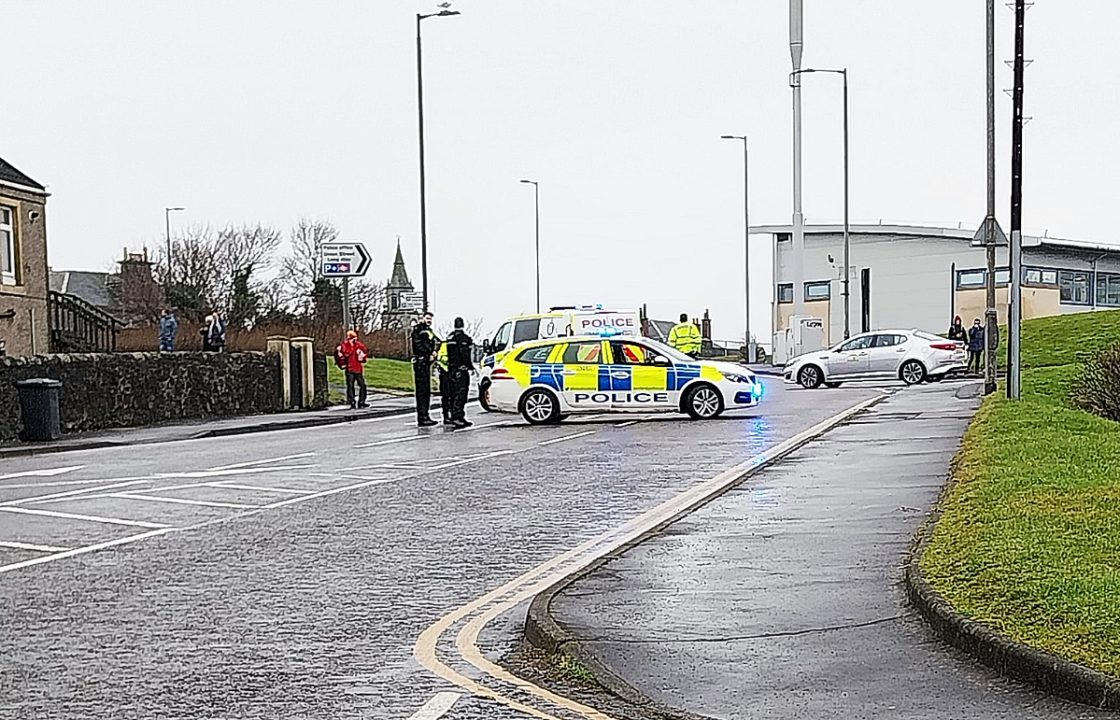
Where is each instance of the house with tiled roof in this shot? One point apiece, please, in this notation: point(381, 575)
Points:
point(24, 312)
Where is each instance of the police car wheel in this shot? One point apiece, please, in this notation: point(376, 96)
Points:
point(540, 407)
point(484, 395)
point(810, 377)
point(703, 402)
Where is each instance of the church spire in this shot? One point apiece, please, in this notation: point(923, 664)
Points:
point(399, 278)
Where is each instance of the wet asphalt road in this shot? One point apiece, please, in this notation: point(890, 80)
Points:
point(783, 598)
point(289, 574)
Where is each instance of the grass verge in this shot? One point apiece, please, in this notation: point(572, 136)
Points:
point(380, 373)
point(1029, 539)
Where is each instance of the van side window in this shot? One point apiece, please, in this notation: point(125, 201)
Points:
point(501, 339)
point(526, 330)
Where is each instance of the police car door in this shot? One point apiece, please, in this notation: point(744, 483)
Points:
point(638, 376)
point(582, 361)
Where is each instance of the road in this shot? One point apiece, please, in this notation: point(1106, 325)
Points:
point(294, 574)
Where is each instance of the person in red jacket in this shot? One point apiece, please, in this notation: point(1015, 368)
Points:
point(354, 353)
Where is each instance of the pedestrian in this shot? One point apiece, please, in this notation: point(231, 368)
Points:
point(975, 345)
point(168, 330)
point(443, 371)
point(423, 353)
point(957, 331)
point(214, 337)
point(354, 354)
point(204, 332)
point(460, 365)
point(685, 336)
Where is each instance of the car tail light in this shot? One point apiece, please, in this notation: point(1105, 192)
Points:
point(943, 346)
point(500, 374)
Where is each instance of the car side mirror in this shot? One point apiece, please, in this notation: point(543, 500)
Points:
point(661, 360)
point(487, 348)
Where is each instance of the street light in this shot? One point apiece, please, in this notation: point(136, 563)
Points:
point(746, 245)
point(537, 213)
point(420, 114)
point(847, 240)
point(167, 223)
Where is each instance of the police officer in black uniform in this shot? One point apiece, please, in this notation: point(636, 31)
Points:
point(460, 363)
point(423, 353)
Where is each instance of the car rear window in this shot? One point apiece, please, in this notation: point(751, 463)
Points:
point(526, 330)
point(536, 355)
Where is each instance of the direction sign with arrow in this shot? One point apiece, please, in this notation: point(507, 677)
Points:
point(342, 260)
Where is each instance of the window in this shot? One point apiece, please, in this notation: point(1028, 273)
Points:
point(632, 354)
point(1040, 276)
point(859, 343)
point(785, 293)
point(1073, 287)
point(888, 340)
point(526, 330)
point(971, 279)
point(1003, 276)
point(536, 355)
point(7, 247)
point(819, 290)
point(501, 339)
point(1108, 289)
point(585, 353)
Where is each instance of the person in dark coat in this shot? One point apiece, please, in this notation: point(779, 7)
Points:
point(957, 331)
point(423, 353)
point(460, 364)
point(976, 345)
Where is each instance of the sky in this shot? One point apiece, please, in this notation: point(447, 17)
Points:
point(272, 110)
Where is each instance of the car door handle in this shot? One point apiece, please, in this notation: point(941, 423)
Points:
point(902, 350)
point(567, 372)
point(620, 375)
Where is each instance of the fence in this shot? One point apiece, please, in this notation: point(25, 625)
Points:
point(78, 327)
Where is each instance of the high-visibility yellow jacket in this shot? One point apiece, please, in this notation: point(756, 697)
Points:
point(441, 356)
point(685, 337)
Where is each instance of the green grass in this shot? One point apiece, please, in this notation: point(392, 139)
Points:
point(381, 373)
point(1029, 539)
point(567, 667)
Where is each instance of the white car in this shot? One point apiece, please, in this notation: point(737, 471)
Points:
point(546, 380)
point(911, 356)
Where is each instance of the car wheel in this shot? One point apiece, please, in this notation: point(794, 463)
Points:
point(484, 395)
point(703, 402)
point(810, 377)
point(832, 384)
point(540, 407)
point(912, 372)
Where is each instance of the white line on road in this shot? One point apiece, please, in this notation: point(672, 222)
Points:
point(230, 471)
point(184, 501)
point(628, 424)
point(90, 518)
point(36, 499)
point(391, 441)
point(28, 546)
point(233, 486)
point(252, 463)
point(83, 550)
point(573, 436)
point(42, 473)
point(437, 707)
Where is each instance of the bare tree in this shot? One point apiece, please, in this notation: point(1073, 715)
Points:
point(300, 268)
point(367, 301)
point(243, 253)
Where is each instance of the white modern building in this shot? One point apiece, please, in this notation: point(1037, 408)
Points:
point(905, 276)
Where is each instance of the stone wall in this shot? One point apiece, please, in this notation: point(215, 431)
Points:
point(135, 389)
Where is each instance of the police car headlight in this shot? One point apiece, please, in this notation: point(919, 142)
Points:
point(736, 378)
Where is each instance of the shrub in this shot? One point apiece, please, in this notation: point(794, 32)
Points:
point(1097, 387)
point(381, 343)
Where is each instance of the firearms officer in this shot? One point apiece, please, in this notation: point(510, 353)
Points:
point(460, 364)
point(423, 353)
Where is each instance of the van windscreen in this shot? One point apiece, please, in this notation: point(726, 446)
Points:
point(526, 330)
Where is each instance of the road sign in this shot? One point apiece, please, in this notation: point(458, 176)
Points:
point(412, 301)
point(980, 236)
point(339, 260)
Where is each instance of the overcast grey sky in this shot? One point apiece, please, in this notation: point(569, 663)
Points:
point(269, 110)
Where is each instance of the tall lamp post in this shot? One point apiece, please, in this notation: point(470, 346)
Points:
point(420, 114)
point(847, 237)
point(167, 224)
point(537, 215)
point(746, 246)
point(796, 48)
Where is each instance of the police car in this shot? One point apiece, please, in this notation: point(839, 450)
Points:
point(547, 380)
point(559, 321)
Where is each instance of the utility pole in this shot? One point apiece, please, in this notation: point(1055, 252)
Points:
point(746, 246)
point(992, 328)
point(847, 227)
point(346, 303)
point(537, 224)
point(167, 223)
point(1016, 314)
point(797, 258)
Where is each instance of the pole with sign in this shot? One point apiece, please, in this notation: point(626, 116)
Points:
point(344, 260)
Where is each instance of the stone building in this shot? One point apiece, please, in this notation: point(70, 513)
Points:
point(401, 310)
point(24, 313)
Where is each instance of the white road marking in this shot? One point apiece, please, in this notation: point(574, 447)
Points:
point(392, 441)
point(234, 486)
point(437, 707)
point(56, 497)
point(28, 546)
point(90, 518)
point(628, 424)
point(502, 599)
point(573, 436)
point(83, 550)
point(42, 473)
point(184, 501)
point(252, 463)
point(60, 483)
point(229, 471)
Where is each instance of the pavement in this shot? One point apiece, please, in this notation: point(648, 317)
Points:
point(294, 573)
point(783, 597)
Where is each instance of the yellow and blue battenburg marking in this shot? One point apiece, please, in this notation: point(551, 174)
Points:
point(550, 375)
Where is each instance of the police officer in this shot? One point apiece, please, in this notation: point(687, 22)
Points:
point(685, 336)
point(423, 352)
point(460, 363)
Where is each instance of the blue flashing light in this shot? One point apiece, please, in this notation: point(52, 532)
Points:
point(757, 390)
point(608, 332)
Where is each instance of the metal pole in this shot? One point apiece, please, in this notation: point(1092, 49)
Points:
point(747, 252)
point(992, 327)
point(1016, 308)
point(167, 223)
point(346, 303)
point(796, 36)
point(847, 237)
point(423, 198)
point(537, 211)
